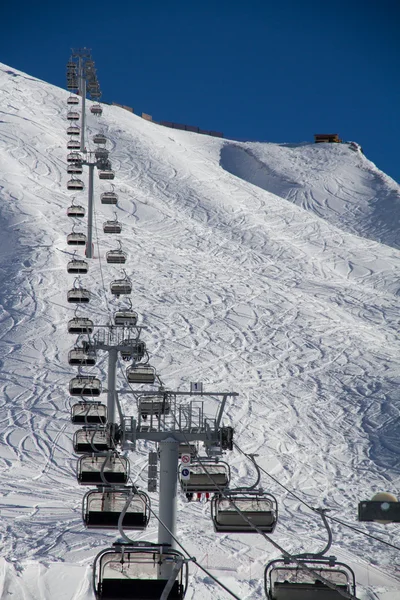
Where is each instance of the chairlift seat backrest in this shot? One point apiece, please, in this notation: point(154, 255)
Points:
point(260, 509)
point(80, 325)
point(106, 175)
point(73, 145)
point(76, 239)
point(141, 374)
point(75, 211)
point(73, 116)
point(75, 184)
point(109, 198)
point(85, 385)
point(125, 317)
point(121, 286)
point(116, 257)
point(78, 356)
point(78, 296)
point(112, 227)
point(91, 440)
point(102, 509)
point(113, 468)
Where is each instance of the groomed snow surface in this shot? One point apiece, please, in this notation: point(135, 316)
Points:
point(271, 270)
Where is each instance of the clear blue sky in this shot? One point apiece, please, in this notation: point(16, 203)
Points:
point(259, 70)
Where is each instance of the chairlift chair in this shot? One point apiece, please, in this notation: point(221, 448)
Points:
point(73, 130)
point(74, 169)
point(76, 239)
point(116, 257)
point(74, 157)
point(109, 198)
point(285, 580)
point(108, 174)
point(75, 210)
point(72, 100)
point(112, 226)
point(121, 287)
point(96, 109)
point(141, 374)
point(132, 571)
point(82, 357)
point(85, 385)
point(212, 478)
point(101, 153)
point(260, 508)
point(78, 295)
point(73, 145)
point(134, 350)
point(102, 508)
point(77, 266)
point(91, 439)
point(73, 115)
point(99, 138)
point(103, 468)
point(125, 318)
point(75, 185)
point(153, 405)
point(89, 413)
point(80, 325)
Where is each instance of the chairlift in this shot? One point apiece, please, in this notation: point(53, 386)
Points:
point(73, 145)
point(121, 287)
point(96, 109)
point(141, 374)
point(72, 100)
point(90, 413)
point(71, 64)
point(74, 157)
point(207, 476)
point(109, 198)
point(74, 169)
point(116, 257)
point(80, 325)
point(103, 468)
point(73, 130)
point(77, 266)
point(101, 154)
point(99, 138)
point(108, 174)
point(75, 185)
point(258, 507)
point(134, 350)
point(85, 385)
point(92, 439)
point(82, 357)
point(154, 405)
point(76, 210)
point(286, 580)
point(73, 115)
point(139, 571)
point(76, 239)
point(382, 508)
point(78, 295)
point(113, 226)
point(102, 508)
point(125, 318)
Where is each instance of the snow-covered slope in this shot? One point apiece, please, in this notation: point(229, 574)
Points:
point(296, 307)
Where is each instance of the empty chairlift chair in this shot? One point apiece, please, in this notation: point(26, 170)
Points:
point(73, 144)
point(73, 130)
point(112, 226)
point(154, 406)
point(99, 138)
point(92, 439)
point(96, 109)
point(75, 185)
point(141, 374)
point(213, 477)
point(74, 169)
point(106, 174)
point(121, 287)
point(73, 115)
point(85, 385)
point(78, 295)
point(116, 257)
point(81, 356)
point(74, 157)
point(286, 580)
point(105, 468)
point(72, 100)
point(80, 325)
point(102, 508)
point(77, 267)
point(109, 198)
point(125, 318)
point(261, 509)
point(89, 413)
point(132, 571)
point(76, 239)
point(76, 210)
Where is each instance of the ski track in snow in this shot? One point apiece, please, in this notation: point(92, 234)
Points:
point(294, 307)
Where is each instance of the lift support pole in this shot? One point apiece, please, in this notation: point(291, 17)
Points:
point(169, 453)
point(112, 371)
point(89, 243)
